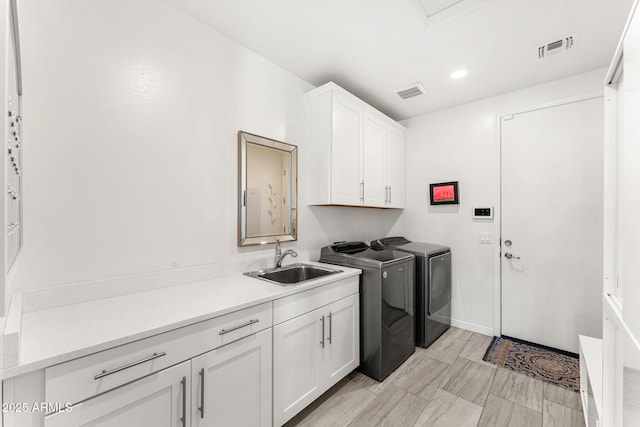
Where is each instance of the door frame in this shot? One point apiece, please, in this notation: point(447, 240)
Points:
point(497, 259)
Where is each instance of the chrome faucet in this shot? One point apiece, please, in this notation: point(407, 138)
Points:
point(279, 256)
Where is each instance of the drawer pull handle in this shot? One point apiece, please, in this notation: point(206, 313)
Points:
point(201, 408)
point(235, 328)
point(184, 401)
point(104, 373)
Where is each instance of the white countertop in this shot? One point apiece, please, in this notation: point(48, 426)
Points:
point(59, 334)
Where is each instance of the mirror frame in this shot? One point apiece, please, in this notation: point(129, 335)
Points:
point(243, 239)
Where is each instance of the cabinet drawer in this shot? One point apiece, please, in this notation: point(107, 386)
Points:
point(79, 379)
point(304, 302)
point(158, 400)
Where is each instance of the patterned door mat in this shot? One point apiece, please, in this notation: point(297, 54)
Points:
point(544, 363)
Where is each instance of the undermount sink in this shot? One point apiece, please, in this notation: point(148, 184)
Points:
point(292, 274)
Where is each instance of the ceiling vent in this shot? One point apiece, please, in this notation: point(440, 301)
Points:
point(415, 89)
point(557, 46)
point(435, 12)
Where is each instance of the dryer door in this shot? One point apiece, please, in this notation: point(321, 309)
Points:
point(439, 282)
point(397, 326)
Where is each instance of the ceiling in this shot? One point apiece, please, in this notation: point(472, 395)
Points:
point(373, 48)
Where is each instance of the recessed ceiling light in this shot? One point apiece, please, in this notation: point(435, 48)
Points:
point(458, 74)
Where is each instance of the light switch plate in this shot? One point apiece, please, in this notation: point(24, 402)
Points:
point(484, 238)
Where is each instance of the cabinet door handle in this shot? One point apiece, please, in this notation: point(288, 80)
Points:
point(389, 194)
point(184, 401)
point(386, 193)
point(362, 190)
point(250, 322)
point(105, 373)
point(322, 341)
point(201, 408)
point(329, 339)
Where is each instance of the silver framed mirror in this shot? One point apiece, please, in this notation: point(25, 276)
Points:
point(267, 190)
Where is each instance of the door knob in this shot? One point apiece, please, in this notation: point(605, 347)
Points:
point(507, 255)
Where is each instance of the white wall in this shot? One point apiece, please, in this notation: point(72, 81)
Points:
point(130, 151)
point(131, 114)
point(5, 39)
point(462, 144)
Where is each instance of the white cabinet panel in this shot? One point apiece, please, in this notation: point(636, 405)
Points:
point(311, 353)
point(156, 400)
point(346, 185)
point(304, 302)
point(374, 185)
point(231, 386)
point(296, 365)
point(395, 167)
point(342, 337)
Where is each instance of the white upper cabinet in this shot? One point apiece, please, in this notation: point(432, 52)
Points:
point(394, 170)
point(346, 150)
point(356, 153)
point(373, 154)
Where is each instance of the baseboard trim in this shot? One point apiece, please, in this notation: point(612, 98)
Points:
point(484, 330)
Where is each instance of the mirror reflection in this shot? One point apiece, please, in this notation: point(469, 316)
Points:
point(267, 190)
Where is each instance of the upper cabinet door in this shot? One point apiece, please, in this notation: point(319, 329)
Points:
point(395, 167)
point(374, 187)
point(346, 184)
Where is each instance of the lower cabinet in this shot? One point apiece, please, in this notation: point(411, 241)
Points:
point(311, 353)
point(235, 370)
point(160, 400)
point(342, 351)
point(228, 386)
point(231, 385)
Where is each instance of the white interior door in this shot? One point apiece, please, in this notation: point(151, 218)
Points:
point(552, 203)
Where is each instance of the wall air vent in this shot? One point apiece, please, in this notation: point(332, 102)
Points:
point(415, 89)
point(557, 46)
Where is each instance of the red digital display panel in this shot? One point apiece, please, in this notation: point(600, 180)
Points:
point(444, 193)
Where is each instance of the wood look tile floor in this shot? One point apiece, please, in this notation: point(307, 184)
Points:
point(445, 385)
